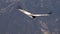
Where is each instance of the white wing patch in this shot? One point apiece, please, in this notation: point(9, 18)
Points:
point(40, 14)
point(25, 12)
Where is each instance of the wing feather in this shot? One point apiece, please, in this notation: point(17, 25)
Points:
point(25, 12)
point(40, 14)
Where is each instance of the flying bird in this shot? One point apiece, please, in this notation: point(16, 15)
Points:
point(31, 15)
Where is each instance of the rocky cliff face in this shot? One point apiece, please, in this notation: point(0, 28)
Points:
point(14, 22)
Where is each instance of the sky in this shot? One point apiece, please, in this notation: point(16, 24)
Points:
point(12, 21)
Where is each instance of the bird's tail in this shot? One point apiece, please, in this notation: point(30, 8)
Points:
point(32, 16)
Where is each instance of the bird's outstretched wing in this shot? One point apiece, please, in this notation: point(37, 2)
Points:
point(24, 11)
point(40, 14)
